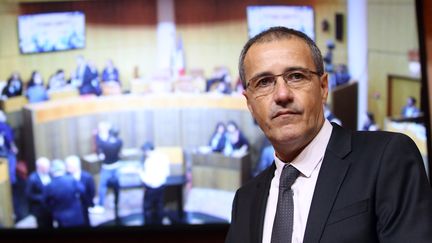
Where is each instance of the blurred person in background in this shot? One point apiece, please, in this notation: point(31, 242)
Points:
point(35, 191)
point(156, 169)
point(369, 122)
point(14, 86)
point(36, 91)
point(218, 138)
point(109, 149)
point(63, 197)
point(57, 80)
point(110, 73)
point(410, 109)
point(73, 167)
point(237, 145)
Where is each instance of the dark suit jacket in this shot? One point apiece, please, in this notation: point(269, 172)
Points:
point(35, 195)
point(63, 197)
point(89, 189)
point(372, 187)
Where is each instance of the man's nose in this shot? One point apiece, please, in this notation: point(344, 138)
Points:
point(282, 92)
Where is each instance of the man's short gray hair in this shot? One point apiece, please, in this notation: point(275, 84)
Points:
point(279, 33)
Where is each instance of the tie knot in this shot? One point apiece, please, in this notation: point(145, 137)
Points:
point(288, 176)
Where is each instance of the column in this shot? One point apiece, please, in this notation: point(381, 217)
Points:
point(358, 52)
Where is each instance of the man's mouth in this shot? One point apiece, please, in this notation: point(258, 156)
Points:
point(285, 113)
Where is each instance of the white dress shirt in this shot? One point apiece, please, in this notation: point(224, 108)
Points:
point(308, 162)
point(156, 169)
point(45, 178)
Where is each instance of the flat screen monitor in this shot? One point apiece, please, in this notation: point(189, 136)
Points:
point(260, 18)
point(49, 32)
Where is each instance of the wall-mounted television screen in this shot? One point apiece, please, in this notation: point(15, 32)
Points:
point(48, 32)
point(260, 18)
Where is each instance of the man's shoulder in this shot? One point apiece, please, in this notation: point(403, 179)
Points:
point(370, 136)
point(383, 137)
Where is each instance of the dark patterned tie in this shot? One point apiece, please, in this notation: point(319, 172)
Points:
point(283, 222)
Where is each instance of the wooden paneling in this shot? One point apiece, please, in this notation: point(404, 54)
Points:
point(217, 171)
point(400, 88)
point(105, 12)
point(58, 129)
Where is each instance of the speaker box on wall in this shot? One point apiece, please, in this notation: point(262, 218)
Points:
point(339, 19)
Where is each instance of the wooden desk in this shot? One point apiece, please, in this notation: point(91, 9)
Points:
point(217, 171)
point(13, 104)
point(130, 179)
point(64, 127)
point(92, 164)
point(6, 209)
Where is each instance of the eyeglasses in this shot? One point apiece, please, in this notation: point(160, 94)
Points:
point(294, 78)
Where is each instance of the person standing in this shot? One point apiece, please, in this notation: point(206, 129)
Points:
point(73, 167)
point(63, 197)
point(35, 190)
point(327, 183)
point(109, 152)
point(156, 169)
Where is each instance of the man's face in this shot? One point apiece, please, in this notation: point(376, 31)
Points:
point(289, 117)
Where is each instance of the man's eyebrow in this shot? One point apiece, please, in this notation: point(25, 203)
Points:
point(267, 73)
point(261, 74)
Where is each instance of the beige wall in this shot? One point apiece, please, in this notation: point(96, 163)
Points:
point(392, 31)
point(214, 44)
point(216, 41)
point(326, 9)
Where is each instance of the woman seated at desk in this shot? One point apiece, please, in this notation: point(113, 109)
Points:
point(237, 145)
point(218, 139)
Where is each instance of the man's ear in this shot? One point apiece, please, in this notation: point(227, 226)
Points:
point(248, 98)
point(324, 87)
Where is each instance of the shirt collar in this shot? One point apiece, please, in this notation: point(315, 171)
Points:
point(312, 154)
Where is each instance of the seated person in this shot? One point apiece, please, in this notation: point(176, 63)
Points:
point(86, 77)
point(266, 159)
point(218, 138)
point(110, 73)
point(36, 91)
point(14, 86)
point(156, 169)
point(369, 122)
point(57, 80)
point(341, 75)
point(330, 116)
point(220, 81)
point(410, 109)
point(237, 145)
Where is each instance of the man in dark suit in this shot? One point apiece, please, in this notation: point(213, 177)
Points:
point(348, 186)
point(35, 189)
point(73, 167)
point(86, 77)
point(63, 197)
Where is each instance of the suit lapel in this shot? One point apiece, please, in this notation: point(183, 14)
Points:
point(259, 204)
point(332, 173)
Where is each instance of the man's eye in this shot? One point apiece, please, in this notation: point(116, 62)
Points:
point(264, 82)
point(295, 76)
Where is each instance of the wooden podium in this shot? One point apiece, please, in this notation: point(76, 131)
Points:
point(6, 210)
point(217, 171)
